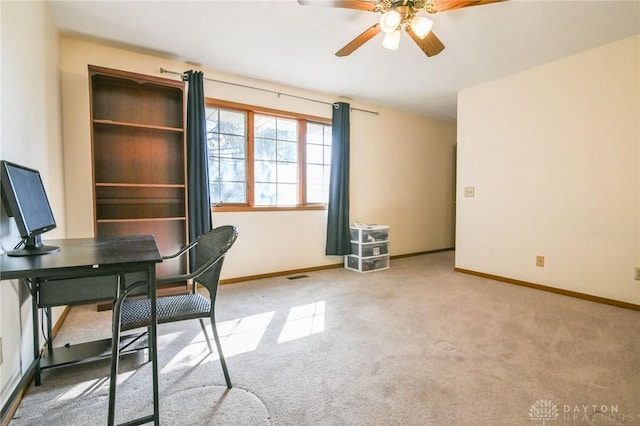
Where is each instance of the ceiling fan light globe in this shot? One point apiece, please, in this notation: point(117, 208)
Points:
point(421, 26)
point(389, 21)
point(391, 40)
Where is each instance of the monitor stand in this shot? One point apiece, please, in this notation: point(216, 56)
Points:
point(33, 247)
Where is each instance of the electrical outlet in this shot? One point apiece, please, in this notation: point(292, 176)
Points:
point(469, 191)
point(637, 274)
point(540, 261)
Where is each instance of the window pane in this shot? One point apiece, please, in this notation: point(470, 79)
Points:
point(327, 134)
point(315, 194)
point(327, 154)
point(287, 194)
point(264, 126)
point(232, 146)
point(315, 154)
point(232, 170)
point(232, 122)
point(265, 171)
point(288, 151)
point(212, 119)
point(265, 194)
point(288, 172)
point(214, 192)
point(287, 129)
point(212, 143)
point(265, 149)
point(314, 133)
point(234, 192)
point(315, 174)
point(214, 170)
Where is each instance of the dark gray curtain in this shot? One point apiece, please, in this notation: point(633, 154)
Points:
point(338, 241)
point(197, 159)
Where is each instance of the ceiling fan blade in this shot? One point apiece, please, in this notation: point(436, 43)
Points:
point(346, 4)
point(430, 45)
point(367, 35)
point(442, 5)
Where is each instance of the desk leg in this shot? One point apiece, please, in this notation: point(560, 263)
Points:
point(36, 333)
point(49, 337)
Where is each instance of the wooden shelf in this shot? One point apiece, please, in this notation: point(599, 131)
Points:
point(146, 219)
point(138, 185)
point(124, 97)
point(138, 126)
point(140, 201)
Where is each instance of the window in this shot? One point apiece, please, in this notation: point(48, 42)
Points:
point(276, 170)
point(226, 142)
point(262, 158)
point(318, 162)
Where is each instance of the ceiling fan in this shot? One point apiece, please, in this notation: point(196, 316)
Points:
point(398, 15)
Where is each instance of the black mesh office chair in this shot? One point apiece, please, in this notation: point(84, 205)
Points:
point(210, 249)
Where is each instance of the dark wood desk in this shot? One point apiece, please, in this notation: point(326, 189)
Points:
point(86, 269)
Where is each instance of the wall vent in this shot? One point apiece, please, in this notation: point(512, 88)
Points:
point(297, 277)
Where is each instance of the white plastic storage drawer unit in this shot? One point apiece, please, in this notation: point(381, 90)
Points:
point(369, 248)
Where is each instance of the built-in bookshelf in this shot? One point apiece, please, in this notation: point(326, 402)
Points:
point(138, 150)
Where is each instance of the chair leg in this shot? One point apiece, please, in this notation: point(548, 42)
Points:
point(206, 335)
point(115, 358)
point(220, 354)
point(149, 358)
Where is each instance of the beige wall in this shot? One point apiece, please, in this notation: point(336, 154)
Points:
point(31, 135)
point(402, 168)
point(553, 154)
point(403, 175)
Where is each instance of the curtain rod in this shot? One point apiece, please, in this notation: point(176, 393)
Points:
point(165, 71)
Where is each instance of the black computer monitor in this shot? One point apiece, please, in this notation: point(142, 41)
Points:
point(26, 201)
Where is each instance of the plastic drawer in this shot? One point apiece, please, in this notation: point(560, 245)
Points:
point(369, 234)
point(370, 249)
point(368, 264)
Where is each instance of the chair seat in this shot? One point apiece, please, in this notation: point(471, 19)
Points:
point(136, 313)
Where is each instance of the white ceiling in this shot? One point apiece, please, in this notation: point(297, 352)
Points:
point(284, 42)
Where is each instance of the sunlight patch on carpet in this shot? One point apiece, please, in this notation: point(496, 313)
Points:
point(89, 387)
point(244, 334)
point(167, 339)
point(237, 336)
point(303, 321)
point(189, 355)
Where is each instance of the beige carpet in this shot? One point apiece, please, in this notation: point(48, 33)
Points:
point(418, 344)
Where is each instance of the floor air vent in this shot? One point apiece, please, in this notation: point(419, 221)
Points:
point(297, 277)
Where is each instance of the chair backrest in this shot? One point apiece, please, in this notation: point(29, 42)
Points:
point(211, 246)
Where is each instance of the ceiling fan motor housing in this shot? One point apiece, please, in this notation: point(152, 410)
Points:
point(411, 6)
